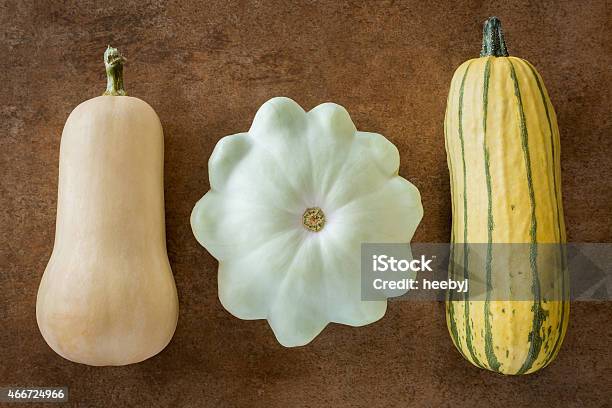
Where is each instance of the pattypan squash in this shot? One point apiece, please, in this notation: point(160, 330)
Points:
point(290, 203)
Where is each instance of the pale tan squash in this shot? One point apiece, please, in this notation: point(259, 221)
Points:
point(108, 296)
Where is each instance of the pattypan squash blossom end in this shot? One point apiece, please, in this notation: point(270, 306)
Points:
point(314, 219)
point(290, 204)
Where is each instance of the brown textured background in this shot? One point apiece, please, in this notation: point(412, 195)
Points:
point(206, 68)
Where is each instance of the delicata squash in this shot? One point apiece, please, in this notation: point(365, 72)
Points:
point(107, 296)
point(502, 144)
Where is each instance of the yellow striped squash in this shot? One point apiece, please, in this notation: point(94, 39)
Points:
point(502, 145)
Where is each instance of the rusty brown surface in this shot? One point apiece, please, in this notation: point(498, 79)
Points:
point(206, 68)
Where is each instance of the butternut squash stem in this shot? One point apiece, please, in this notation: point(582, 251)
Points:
point(113, 62)
point(493, 43)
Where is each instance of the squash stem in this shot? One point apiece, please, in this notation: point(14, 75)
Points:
point(493, 44)
point(113, 62)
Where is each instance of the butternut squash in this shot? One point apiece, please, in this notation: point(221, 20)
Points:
point(107, 296)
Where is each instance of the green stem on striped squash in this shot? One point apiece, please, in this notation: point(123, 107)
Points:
point(493, 43)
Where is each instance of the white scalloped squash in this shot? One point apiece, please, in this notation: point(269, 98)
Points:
point(290, 203)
